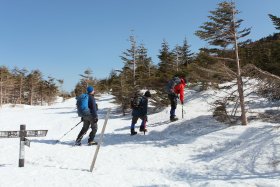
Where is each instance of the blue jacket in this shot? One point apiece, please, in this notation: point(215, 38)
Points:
point(142, 110)
point(92, 106)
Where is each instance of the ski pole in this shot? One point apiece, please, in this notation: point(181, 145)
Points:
point(68, 132)
point(182, 111)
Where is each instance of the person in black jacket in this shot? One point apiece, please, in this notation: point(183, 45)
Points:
point(140, 112)
point(89, 119)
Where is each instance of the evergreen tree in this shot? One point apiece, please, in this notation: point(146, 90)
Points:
point(129, 59)
point(86, 80)
point(222, 30)
point(61, 82)
point(120, 89)
point(263, 53)
point(33, 80)
point(182, 58)
point(186, 54)
point(167, 67)
point(4, 84)
point(18, 88)
point(144, 67)
point(20, 77)
point(177, 57)
point(275, 20)
point(48, 90)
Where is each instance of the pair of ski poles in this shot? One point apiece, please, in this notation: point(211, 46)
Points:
point(68, 132)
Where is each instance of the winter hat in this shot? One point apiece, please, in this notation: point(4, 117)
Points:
point(147, 94)
point(90, 89)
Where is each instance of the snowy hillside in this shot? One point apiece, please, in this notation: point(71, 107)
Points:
point(194, 151)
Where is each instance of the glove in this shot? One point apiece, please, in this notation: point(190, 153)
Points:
point(82, 119)
point(95, 120)
point(182, 102)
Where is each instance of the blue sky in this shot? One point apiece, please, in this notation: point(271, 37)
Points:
point(62, 38)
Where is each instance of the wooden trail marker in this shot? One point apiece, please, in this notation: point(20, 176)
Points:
point(22, 134)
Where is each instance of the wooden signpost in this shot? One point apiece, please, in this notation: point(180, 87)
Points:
point(100, 141)
point(22, 134)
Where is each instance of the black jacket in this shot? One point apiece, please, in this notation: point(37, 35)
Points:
point(92, 106)
point(142, 109)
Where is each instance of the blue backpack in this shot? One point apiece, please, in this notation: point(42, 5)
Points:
point(82, 105)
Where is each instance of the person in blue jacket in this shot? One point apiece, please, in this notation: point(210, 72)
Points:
point(90, 119)
point(140, 112)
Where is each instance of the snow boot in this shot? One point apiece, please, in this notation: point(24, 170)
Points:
point(132, 132)
point(92, 143)
point(78, 144)
point(173, 118)
point(142, 129)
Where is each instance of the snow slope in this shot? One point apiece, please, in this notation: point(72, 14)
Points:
point(194, 151)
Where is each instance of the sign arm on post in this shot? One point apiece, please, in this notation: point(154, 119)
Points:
point(22, 134)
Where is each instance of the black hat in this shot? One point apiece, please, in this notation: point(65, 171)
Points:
point(147, 94)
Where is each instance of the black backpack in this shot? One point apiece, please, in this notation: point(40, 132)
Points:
point(136, 102)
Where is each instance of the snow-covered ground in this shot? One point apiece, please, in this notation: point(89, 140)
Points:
point(194, 151)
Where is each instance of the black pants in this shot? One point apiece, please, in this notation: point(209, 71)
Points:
point(89, 121)
point(135, 119)
point(173, 101)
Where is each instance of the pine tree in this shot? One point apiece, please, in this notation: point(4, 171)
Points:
point(20, 77)
point(275, 20)
point(167, 67)
point(129, 59)
point(4, 79)
point(47, 90)
point(60, 82)
point(33, 80)
point(222, 30)
point(182, 58)
point(144, 67)
point(86, 80)
point(119, 89)
point(263, 53)
point(186, 54)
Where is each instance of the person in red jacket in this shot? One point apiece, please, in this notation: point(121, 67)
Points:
point(176, 88)
point(179, 89)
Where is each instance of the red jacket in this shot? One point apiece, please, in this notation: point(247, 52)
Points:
point(179, 89)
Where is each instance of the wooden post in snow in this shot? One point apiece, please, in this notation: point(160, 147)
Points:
point(100, 141)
